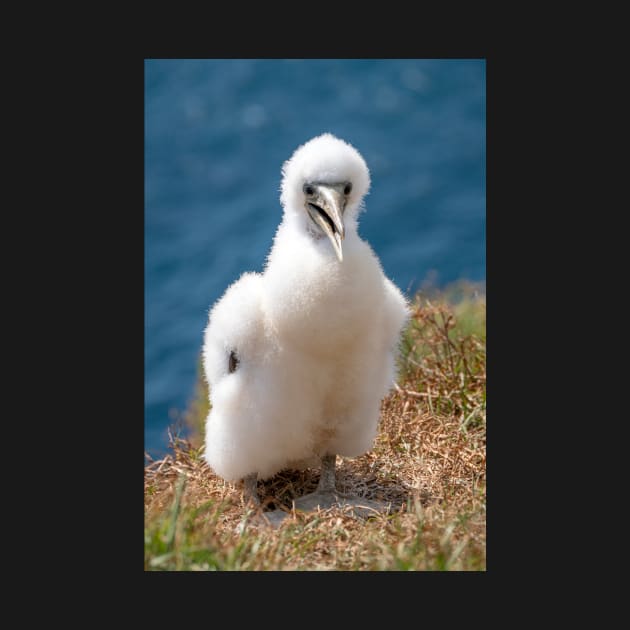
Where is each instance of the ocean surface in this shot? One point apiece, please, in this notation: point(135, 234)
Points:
point(216, 135)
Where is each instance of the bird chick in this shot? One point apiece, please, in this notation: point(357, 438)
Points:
point(299, 357)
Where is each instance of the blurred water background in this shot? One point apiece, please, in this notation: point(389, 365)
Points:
point(216, 135)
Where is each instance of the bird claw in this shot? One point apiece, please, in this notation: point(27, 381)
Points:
point(316, 500)
point(364, 508)
point(356, 506)
point(261, 520)
point(274, 519)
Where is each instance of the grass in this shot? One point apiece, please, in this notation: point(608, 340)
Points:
point(428, 461)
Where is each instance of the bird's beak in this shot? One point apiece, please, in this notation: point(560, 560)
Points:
point(326, 209)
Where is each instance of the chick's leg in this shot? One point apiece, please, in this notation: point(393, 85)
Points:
point(250, 494)
point(250, 488)
point(327, 477)
point(326, 495)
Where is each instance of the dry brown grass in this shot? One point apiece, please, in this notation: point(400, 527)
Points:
point(428, 461)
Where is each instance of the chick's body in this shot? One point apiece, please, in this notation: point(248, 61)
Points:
point(313, 342)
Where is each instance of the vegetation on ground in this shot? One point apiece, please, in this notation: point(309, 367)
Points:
point(428, 462)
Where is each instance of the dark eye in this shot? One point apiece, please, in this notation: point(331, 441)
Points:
point(308, 189)
point(347, 189)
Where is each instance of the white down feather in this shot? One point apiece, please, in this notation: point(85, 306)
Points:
point(315, 338)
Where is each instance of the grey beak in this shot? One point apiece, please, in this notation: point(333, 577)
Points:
point(326, 210)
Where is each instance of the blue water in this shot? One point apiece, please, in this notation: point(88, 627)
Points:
point(216, 135)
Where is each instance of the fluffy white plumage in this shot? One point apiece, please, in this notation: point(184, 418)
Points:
point(299, 357)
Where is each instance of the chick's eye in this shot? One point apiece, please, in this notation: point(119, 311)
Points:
point(308, 189)
point(347, 189)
